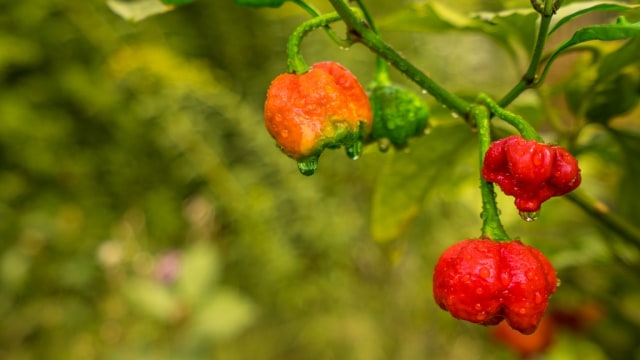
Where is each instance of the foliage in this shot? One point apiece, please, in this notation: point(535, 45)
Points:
point(146, 213)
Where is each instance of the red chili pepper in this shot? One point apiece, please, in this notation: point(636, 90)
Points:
point(325, 107)
point(485, 281)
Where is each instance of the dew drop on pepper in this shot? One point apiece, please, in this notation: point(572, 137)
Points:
point(354, 150)
point(529, 216)
point(308, 166)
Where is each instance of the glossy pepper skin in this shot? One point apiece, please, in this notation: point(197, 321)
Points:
point(530, 171)
point(325, 107)
point(485, 282)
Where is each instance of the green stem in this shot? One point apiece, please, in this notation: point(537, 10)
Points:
point(295, 62)
point(315, 13)
point(529, 78)
point(524, 128)
point(382, 77)
point(491, 226)
point(602, 213)
point(363, 33)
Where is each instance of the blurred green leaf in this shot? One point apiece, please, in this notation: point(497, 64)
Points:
point(260, 3)
point(617, 60)
point(177, 2)
point(613, 97)
point(152, 298)
point(139, 9)
point(222, 316)
point(607, 88)
point(618, 31)
point(408, 178)
point(575, 9)
point(198, 273)
point(519, 24)
point(428, 17)
point(628, 202)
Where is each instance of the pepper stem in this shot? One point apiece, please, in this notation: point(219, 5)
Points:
point(315, 13)
point(295, 62)
point(491, 225)
point(524, 128)
point(382, 77)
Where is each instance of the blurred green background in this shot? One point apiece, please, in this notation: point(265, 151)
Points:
point(145, 213)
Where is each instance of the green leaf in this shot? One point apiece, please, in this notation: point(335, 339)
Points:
point(222, 316)
point(614, 97)
point(599, 91)
point(137, 10)
point(628, 203)
point(619, 31)
point(260, 3)
point(199, 272)
point(573, 10)
point(408, 178)
point(613, 62)
point(429, 17)
point(177, 2)
point(519, 24)
point(152, 298)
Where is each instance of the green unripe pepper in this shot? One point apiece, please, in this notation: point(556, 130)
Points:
point(398, 114)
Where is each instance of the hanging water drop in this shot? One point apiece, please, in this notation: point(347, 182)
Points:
point(308, 165)
point(354, 150)
point(424, 92)
point(455, 115)
point(529, 216)
point(384, 144)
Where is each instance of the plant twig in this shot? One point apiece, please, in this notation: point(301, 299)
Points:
point(528, 80)
point(603, 214)
point(362, 32)
point(295, 62)
point(491, 226)
point(524, 128)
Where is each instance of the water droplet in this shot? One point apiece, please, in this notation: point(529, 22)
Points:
point(481, 316)
point(529, 216)
point(484, 272)
point(455, 115)
point(424, 92)
point(384, 144)
point(505, 278)
point(478, 307)
point(479, 291)
point(427, 130)
point(538, 298)
point(354, 150)
point(522, 311)
point(531, 275)
point(308, 165)
point(284, 133)
point(466, 278)
point(558, 282)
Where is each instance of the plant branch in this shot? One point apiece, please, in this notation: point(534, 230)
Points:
point(295, 62)
point(361, 31)
point(491, 226)
point(315, 13)
point(382, 77)
point(603, 214)
point(524, 128)
point(529, 78)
